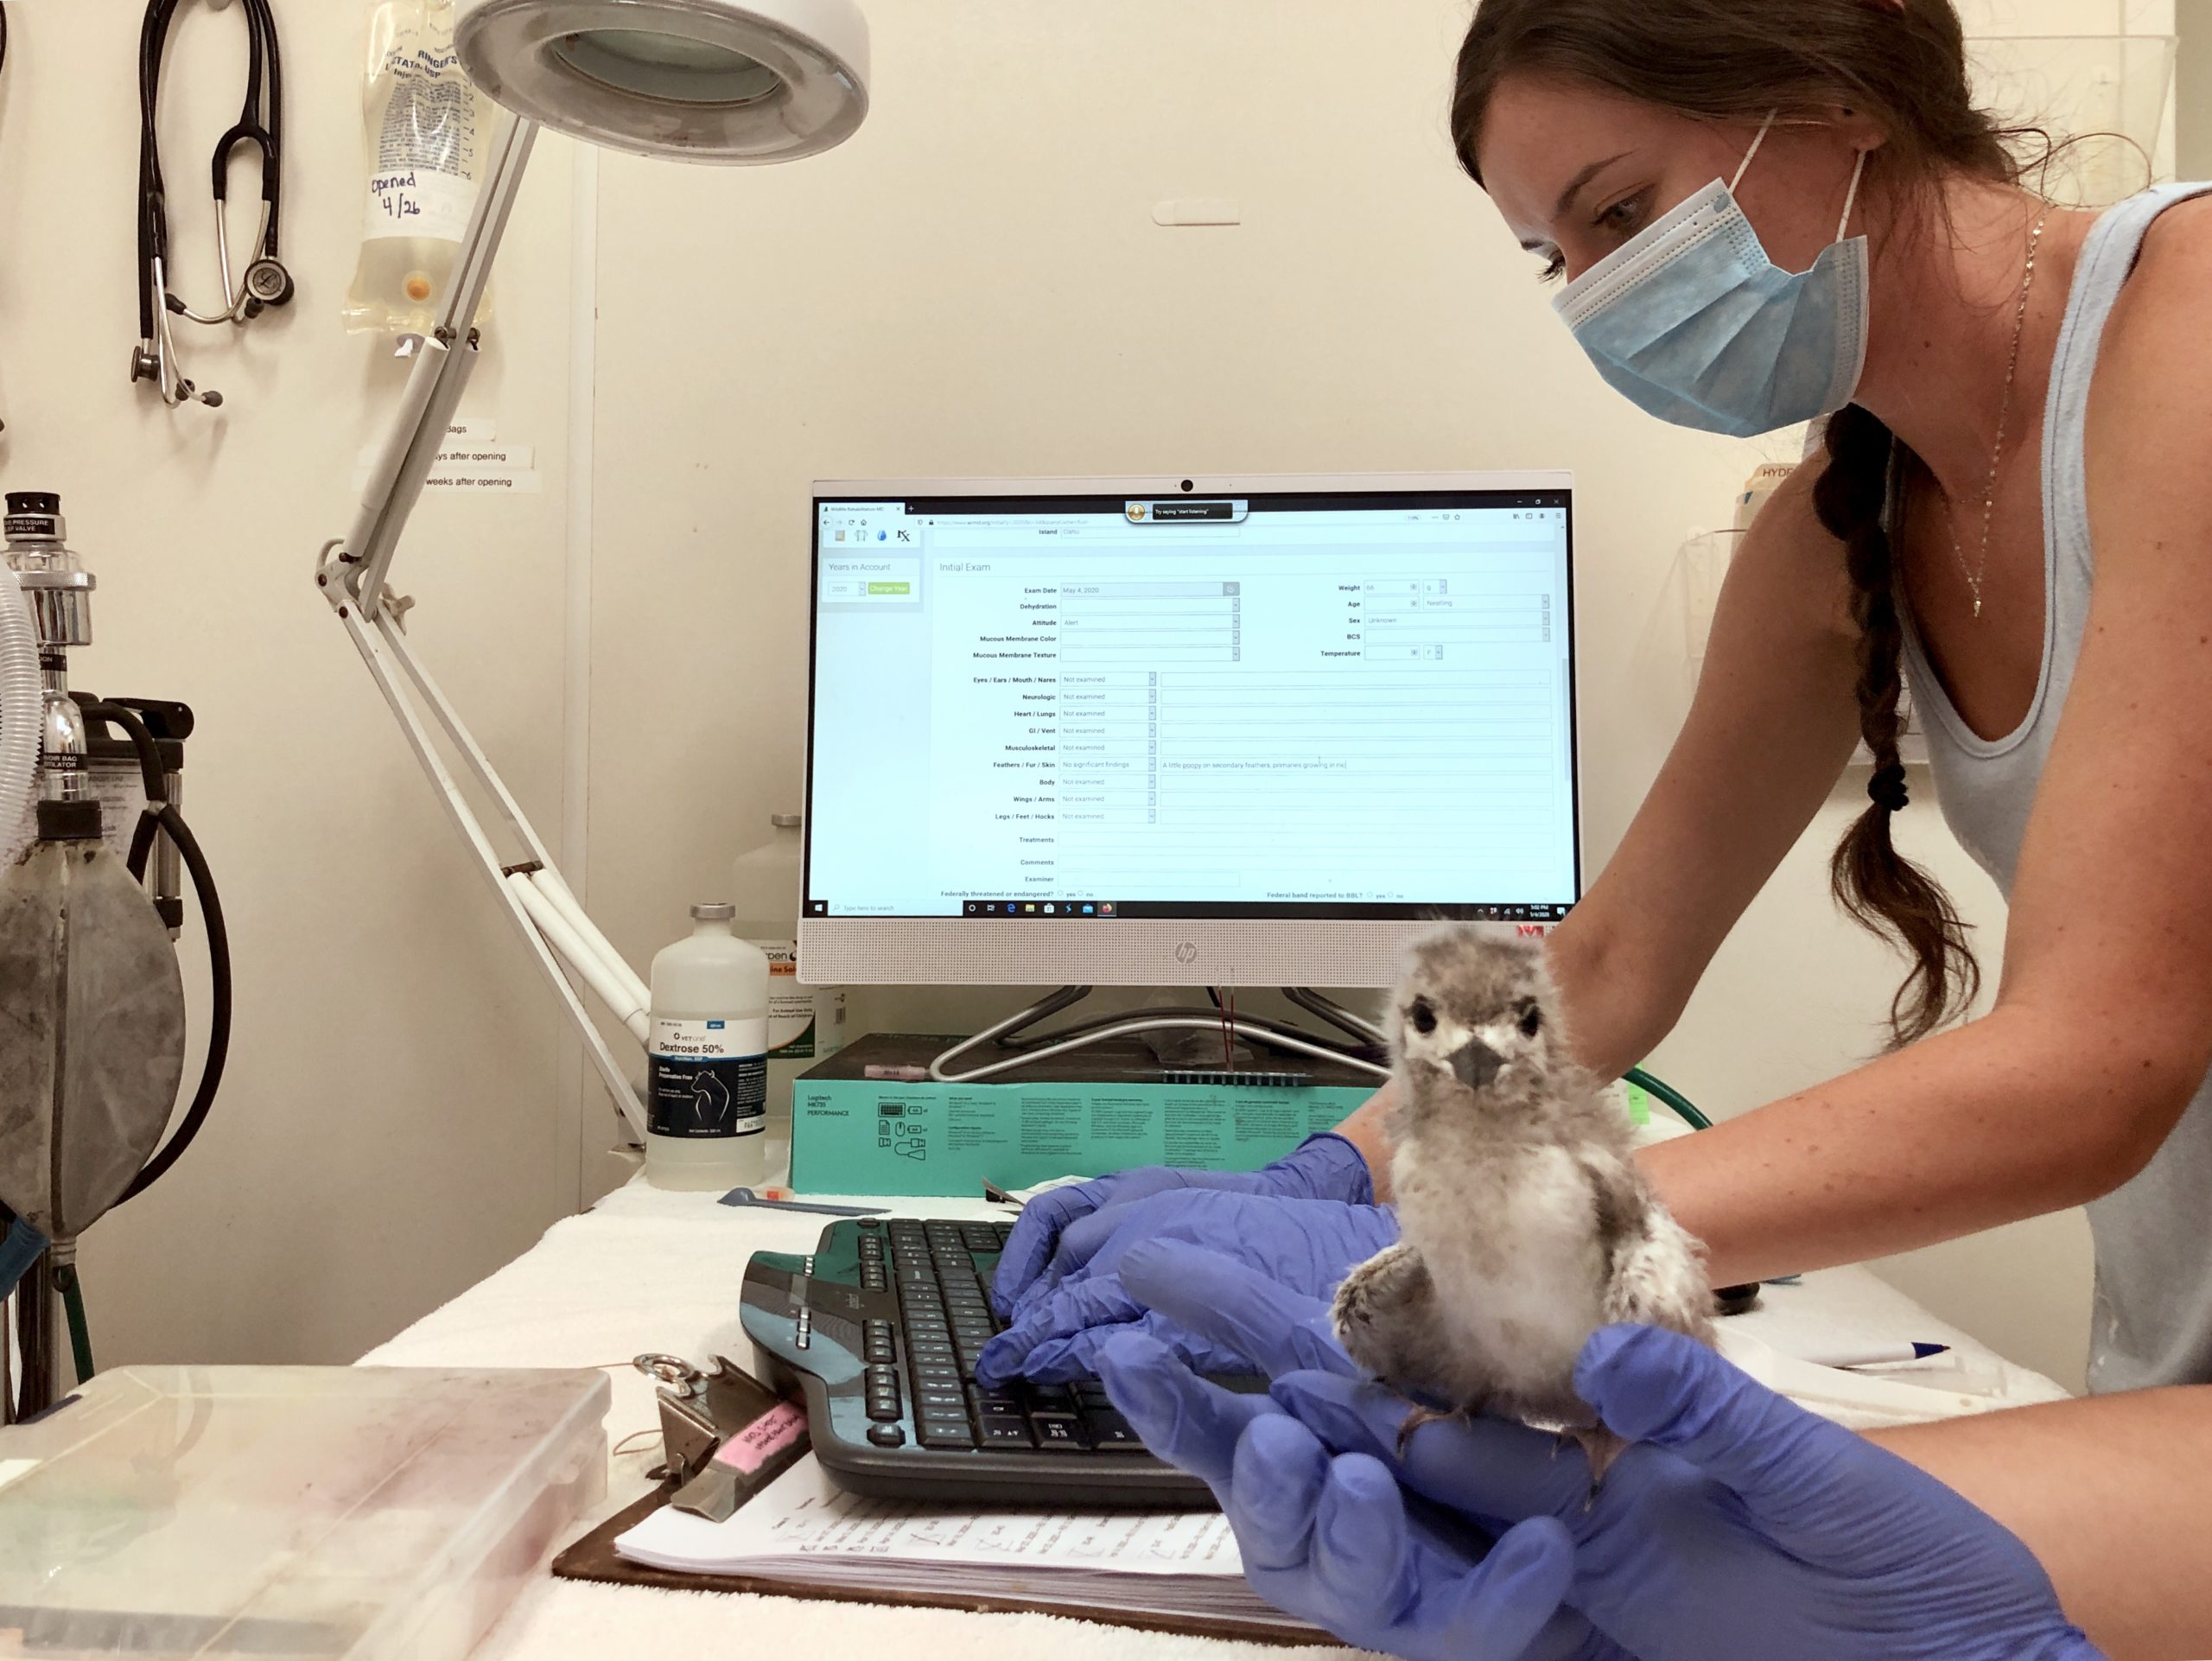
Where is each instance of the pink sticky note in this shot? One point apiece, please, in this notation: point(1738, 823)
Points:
point(761, 1440)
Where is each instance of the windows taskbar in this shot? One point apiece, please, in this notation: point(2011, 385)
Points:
point(1187, 911)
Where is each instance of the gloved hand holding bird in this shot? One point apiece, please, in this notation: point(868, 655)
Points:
point(1526, 1223)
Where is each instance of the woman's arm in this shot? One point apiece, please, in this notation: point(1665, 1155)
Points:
point(1770, 727)
point(2103, 1028)
point(2109, 1494)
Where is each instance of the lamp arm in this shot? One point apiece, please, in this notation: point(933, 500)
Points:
point(353, 575)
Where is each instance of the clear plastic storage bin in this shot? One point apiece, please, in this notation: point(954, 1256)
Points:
point(294, 1513)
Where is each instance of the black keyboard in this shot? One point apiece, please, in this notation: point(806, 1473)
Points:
point(879, 1328)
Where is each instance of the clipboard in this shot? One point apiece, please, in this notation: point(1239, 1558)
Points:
point(594, 1558)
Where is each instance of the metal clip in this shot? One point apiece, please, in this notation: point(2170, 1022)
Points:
point(687, 1434)
point(698, 1412)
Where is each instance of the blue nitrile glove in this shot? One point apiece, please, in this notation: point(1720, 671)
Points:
point(1739, 1525)
point(1309, 1245)
point(1323, 1166)
point(1336, 1541)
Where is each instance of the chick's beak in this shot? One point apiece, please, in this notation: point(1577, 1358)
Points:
point(1475, 1063)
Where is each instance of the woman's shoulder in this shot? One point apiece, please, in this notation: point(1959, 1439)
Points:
point(2170, 280)
point(1791, 548)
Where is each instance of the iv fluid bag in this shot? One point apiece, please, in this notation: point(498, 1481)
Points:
point(426, 128)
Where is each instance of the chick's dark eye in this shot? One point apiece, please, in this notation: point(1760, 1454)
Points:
point(1532, 1019)
point(1421, 1015)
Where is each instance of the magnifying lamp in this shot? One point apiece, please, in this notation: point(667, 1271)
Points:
point(697, 80)
point(703, 80)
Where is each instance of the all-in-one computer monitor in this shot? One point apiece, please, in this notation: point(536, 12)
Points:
point(1208, 731)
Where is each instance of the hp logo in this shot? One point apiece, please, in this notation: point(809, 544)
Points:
point(1186, 953)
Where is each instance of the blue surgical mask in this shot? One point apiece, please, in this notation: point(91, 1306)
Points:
point(1691, 322)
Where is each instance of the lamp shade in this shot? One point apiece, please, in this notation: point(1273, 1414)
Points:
point(701, 81)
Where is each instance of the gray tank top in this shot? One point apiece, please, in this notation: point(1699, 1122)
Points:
point(2153, 1323)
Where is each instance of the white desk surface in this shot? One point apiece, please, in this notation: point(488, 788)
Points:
point(649, 1271)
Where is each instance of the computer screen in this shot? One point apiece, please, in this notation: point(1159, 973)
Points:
point(1090, 706)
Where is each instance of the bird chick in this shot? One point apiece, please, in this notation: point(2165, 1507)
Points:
point(1526, 1224)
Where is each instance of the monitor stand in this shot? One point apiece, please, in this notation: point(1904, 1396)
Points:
point(1362, 1048)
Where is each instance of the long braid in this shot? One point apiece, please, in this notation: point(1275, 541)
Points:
point(1881, 889)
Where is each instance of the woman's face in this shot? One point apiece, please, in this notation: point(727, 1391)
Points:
point(1578, 170)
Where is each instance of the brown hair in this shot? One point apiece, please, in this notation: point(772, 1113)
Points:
point(1903, 62)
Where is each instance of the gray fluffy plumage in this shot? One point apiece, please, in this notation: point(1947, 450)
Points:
point(1526, 1224)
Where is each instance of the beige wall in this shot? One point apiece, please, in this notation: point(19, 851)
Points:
point(972, 285)
point(2193, 90)
point(389, 1131)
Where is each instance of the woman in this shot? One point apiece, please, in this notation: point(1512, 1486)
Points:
point(1762, 213)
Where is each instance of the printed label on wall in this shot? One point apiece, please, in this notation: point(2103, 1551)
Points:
point(710, 1079)
point(469, 460)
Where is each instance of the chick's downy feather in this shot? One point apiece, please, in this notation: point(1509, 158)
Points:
point(1526, 1224)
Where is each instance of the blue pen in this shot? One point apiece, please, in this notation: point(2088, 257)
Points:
point(1876, 1355)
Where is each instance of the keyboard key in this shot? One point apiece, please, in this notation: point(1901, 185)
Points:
point(942, 1400)
point(1110, 1433)
point(1090, 1393)
point(886, 1436)
point(876, 1350)
point(997, 1401)
point(1052, 1398)
point(883, 1407)
point(947, 1433)
point(1061, 1432)
point(933, 1372)
point(1006, 1433)
point(980, 1236)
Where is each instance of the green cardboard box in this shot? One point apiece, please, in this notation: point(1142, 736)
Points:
point(1103, 1109)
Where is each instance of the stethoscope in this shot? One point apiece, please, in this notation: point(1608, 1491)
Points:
point(264, 282)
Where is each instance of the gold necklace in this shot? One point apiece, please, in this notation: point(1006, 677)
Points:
point(1979, 568)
